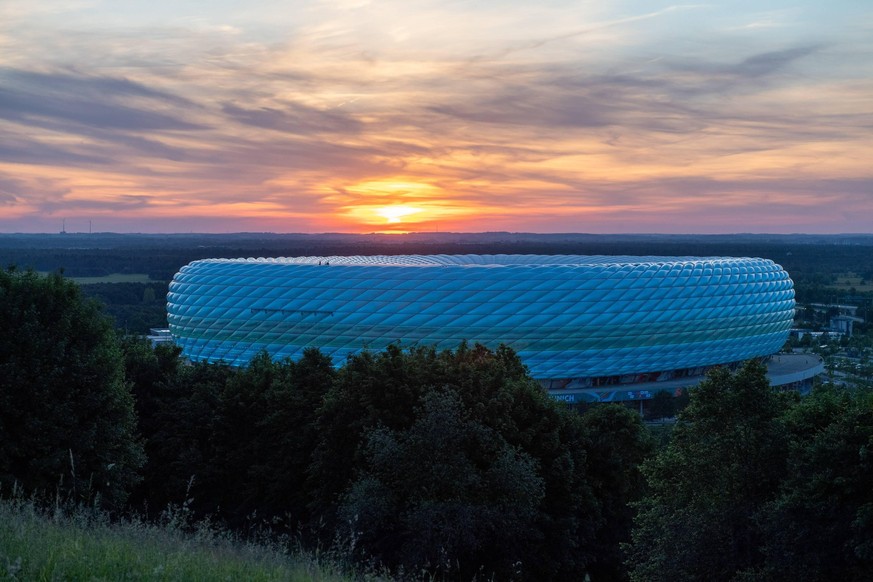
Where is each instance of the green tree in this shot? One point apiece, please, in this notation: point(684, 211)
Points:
point(67, 420)
point(619, 443)
point(232, 443)
point(724, 463)
point(821, 525)
point(386, 398)
point(290, 435)
point(448, 494)
point(264, 435)
point(177, 405)
point(148, 369)
point(371, 390)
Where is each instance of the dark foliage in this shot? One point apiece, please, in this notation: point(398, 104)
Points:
point(67, 420)
point(233, 444)
point(756, 485)
point(264, 435)
point(182, 465)
point(723, 464)
point(820, 527)
point(134, 307)
point(413, 445)
point(619, 444)
point(176, 405)
point(448, 495)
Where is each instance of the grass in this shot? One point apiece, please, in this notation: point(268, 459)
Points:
point(84, 545)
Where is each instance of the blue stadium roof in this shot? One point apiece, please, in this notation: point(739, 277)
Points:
point(566, 315)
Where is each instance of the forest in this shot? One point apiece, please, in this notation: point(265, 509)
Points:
point(433, 464)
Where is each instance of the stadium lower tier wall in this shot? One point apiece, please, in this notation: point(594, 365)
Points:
point(785, 372)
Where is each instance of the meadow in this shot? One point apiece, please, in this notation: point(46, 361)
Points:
point(849, 280)
point(83, 544)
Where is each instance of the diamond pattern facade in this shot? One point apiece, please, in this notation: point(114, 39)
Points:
point(566, 316)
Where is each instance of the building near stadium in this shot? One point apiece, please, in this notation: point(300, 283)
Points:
point(588, 327)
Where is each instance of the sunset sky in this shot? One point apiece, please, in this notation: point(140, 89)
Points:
point(417, 115)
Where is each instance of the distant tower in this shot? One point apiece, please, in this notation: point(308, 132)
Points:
point(63, 226)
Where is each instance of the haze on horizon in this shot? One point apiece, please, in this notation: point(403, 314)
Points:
point(383, 115)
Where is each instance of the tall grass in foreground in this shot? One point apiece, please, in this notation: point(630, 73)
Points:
point(83, 544)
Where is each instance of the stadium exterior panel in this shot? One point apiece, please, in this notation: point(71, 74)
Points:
point(568, 317)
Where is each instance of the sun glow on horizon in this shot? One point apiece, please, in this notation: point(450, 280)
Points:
point(401, 204)
point(394, 214)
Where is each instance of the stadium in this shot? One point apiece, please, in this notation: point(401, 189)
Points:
point(589, 328)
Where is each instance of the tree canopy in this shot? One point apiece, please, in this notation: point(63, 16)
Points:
point(820, 525)
point(67, 420)
point(758, 485)
point(724, 462)
point(427, 454)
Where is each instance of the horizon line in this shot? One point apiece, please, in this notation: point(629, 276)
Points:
point(428, 233)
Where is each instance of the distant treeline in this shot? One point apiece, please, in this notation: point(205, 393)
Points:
point(133, 307)
point(809, 260)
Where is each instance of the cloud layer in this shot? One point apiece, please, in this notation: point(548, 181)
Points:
point(368, 116)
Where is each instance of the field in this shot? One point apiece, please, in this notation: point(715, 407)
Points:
point(84, 546)
point(846, 281)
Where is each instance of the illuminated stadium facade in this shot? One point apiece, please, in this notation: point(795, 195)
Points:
point(587, 327)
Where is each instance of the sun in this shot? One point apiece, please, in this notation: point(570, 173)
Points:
point(394, 213)
point(396, 206)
